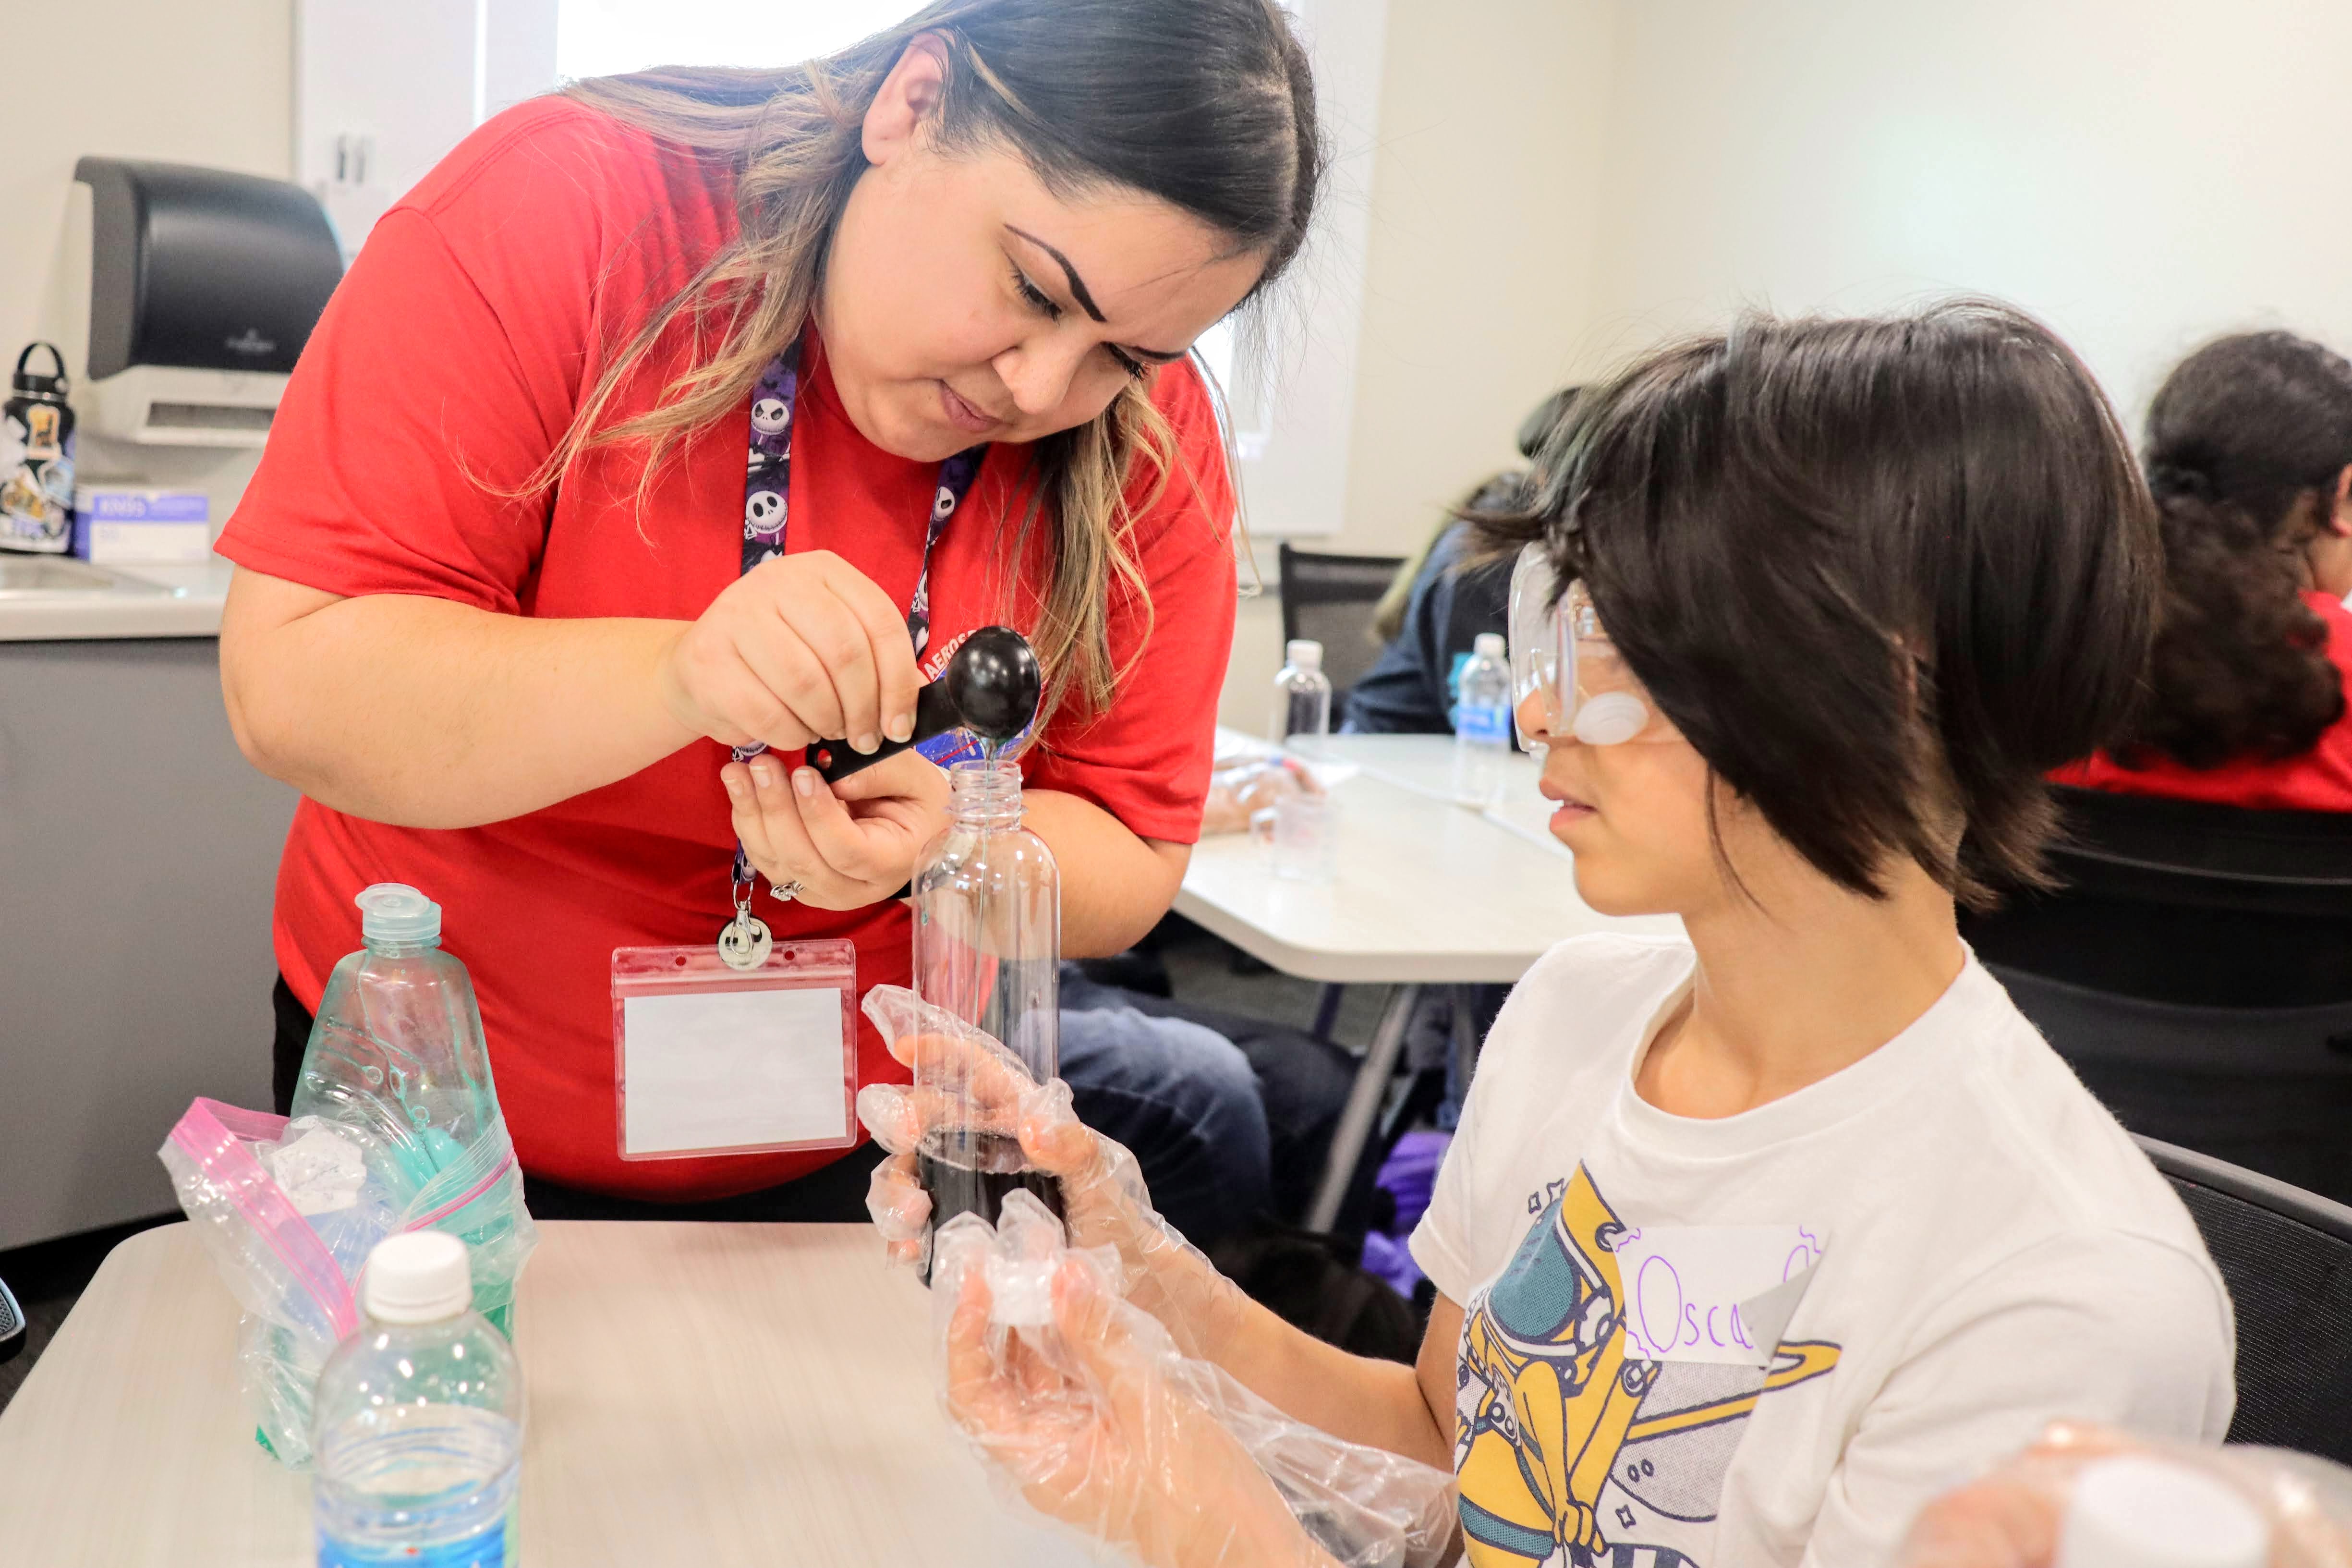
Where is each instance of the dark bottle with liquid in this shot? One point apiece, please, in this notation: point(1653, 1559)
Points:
point(988, 944)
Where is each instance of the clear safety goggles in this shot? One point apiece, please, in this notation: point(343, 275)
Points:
point(1560, 656)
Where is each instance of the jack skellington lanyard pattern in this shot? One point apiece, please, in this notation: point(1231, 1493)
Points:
point(767, 492)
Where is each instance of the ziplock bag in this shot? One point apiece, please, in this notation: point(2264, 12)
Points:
point(396, 1127)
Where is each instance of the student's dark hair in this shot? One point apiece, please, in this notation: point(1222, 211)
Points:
point(1208, 105)
point(1883, 575)
point(2245, 440)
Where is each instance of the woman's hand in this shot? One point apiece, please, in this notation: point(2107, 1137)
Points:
point(1106, 1431)
point(800, 648)
point(964, 1080)
point(846, 844)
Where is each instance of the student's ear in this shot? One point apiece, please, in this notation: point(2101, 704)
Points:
point(2340, 517)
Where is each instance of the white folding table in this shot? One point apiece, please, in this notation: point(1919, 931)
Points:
point(698, 1394)
point(1426, 892)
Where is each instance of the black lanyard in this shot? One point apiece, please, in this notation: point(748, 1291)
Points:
point(767, 492)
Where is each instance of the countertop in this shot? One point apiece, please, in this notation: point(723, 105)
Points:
point(143, 602)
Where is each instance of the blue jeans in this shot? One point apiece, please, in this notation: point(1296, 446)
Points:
point(1184, 1099)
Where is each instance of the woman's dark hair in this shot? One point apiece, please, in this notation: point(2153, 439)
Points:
point(1883, 575)
point(2245, 440)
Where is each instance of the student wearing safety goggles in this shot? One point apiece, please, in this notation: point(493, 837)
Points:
point(1753, 1240)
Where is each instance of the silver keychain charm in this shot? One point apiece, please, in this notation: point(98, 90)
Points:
point(744, 941)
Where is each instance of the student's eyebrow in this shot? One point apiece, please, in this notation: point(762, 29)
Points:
point(1086, 301)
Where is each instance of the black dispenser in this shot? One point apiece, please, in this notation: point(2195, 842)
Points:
point(202, 269)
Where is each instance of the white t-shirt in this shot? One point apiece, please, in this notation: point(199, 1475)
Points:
point(1974, 1247)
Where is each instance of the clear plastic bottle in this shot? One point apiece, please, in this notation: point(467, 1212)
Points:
point(1302, 693)
point(2134, 1512)
point(420, 1421)
point(1482, 722)
point(397, 1053)
point(988, 948)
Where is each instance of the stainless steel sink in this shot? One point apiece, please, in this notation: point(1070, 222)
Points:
point(23, 576)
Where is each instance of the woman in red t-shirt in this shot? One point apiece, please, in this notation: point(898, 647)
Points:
point(510, 589)
point(2250, 456)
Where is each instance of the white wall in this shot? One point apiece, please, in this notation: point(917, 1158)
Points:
point(206, 83)
point(2141, 173)
point(1479, 258)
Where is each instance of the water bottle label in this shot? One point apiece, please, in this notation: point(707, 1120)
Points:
point(1483, 723)
point(488, 1550)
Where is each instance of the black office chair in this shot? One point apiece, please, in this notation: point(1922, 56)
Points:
point(1330, 598)
point(2196, 971)
point(2286, 1257)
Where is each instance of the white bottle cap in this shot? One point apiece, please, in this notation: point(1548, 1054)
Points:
point(2134, 1512)
point(1490, 645)
point(1021, 1291)
point(417, 1277)
point(396, 912)
point(1304, 652)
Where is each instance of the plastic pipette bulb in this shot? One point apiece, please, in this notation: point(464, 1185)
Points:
point(2137, 1512)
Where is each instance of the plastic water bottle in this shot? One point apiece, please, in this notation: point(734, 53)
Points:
point(1302, 693)
point(398, 1052)
point(1482, 722)
point(419, 1426)
point(987, 949)
point(2134, 1512)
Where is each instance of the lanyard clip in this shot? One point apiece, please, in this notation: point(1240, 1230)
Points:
point(744, 941)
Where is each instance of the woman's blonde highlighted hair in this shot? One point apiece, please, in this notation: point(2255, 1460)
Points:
point(1206, 104)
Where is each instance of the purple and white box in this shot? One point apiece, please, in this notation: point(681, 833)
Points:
point(123, 525)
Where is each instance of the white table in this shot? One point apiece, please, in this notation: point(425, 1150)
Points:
point(699, 1393)
point(1427, 892)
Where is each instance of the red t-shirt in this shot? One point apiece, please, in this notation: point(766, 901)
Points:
point(2318, 780)
point(445, 368)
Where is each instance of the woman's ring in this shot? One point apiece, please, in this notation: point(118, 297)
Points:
point(788, 891)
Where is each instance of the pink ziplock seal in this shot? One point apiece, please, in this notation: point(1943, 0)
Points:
point(213, 1136)
point(506, 1163)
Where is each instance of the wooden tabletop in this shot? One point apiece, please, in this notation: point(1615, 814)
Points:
point(1426, 890)
point(699, 1394)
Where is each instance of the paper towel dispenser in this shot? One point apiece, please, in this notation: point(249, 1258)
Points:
point(204, 286)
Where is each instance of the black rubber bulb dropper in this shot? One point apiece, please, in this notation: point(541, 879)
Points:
point(991, 687)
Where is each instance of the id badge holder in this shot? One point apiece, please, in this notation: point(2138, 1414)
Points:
point(748, 1050)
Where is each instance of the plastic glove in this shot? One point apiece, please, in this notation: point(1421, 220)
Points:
point(2016, 1516)
point(961, 1073)
point(1084, 1403)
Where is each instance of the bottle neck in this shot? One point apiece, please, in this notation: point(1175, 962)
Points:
point(381, 947)
point(984, 795)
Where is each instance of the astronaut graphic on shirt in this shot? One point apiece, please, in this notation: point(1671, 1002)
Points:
point(1571, 1453)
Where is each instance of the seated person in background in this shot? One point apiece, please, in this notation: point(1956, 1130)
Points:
point(1739, 563)
point(1437, 607)
point(2250, 458)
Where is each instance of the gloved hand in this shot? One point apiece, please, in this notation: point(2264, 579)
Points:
point(963, 1077)
point(1084, 1403)
point(2018, 1516)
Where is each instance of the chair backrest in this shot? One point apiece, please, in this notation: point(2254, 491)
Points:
point(2187, 902)
point(2286, 1257)
point(2268, 1087)
point(1330, 598)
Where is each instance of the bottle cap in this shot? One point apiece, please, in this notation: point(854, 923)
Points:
point(2136, 1512)
point(1490, 645)
point(396, 912)
point(417, 1277)
point(1304, 652)
point(1020, 1291)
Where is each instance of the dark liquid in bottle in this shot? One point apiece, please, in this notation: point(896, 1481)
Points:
point(975, 1174)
